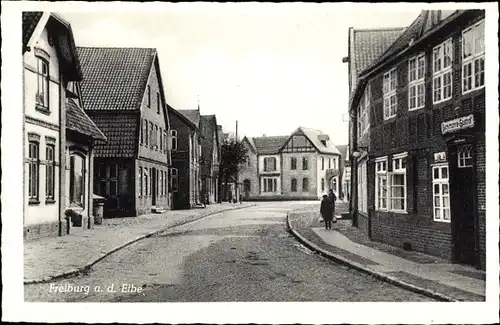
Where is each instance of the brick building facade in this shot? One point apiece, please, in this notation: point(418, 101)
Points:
point(123, 92)
point(423, 161)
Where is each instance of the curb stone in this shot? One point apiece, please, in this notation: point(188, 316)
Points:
point(75, 272)
point(357, 266)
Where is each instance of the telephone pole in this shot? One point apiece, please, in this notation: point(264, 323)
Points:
point(236, 187)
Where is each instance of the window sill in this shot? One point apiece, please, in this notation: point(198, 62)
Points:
point(472, 90)
point(42, 109)
point(442, 221)
point(50, 201)
point(389, 118)
point(439, 102)
point(33, 202)
point(415, 109)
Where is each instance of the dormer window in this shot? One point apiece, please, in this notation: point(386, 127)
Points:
point(323, 142)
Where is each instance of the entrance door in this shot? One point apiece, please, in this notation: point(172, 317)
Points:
point(462, 194)
point(154, 186)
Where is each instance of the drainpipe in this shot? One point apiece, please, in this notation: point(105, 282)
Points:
point(353, 202)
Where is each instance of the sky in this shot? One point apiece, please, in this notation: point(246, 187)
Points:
point(271, 68)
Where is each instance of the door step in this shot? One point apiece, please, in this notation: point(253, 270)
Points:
point(157, 210)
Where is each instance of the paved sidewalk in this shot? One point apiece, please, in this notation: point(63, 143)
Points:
point(48, 258)
point(418, 272)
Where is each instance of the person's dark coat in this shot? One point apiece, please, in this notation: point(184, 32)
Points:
point(326, 209)
point(332, 197)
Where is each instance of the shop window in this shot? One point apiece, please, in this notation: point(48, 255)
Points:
point(391, 186)
point(441, 193)
point(77, 180)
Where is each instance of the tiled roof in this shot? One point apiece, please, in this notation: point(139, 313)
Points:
point(191, 114)
point(343, 150)
point(313, 136)
point(269, 145)
point(414, 31)
point(78, 121)
point(30, 20)
point(121, 131)
point(114, 78)
point(183, 118)
point(369, 44)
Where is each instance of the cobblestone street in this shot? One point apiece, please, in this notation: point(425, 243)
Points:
point(242, 255)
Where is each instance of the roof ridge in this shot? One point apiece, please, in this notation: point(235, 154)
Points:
point(379, 29)
point(118, 47)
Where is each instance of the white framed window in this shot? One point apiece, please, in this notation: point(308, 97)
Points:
point(464, 156)
point(390, 186)
point(269, 184)
point(364, 112)
point(269, 164)
point(473, 57)
point(42, 93)
point(441, 193)
point(173, 136)
point(381, 183)
point(362, 188)
point(442, 73)
point(416, 82)
point(398, 184)
point(389, 89)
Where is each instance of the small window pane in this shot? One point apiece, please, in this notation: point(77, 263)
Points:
point(437, 213)
point(436, 189)
point(437, 201)
point(446, 213)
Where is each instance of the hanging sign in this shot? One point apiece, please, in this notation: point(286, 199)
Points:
point(457, 124)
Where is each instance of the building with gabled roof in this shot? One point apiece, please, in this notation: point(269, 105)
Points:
point(302, 165)
point(420, 112)
point(210, 158)
point(123, 93)
point(186, 151)
point(59, 136)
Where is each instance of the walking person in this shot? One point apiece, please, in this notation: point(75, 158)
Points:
point(326, 211)
point(332, 198)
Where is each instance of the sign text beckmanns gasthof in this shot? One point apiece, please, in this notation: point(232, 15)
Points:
point(460, 123)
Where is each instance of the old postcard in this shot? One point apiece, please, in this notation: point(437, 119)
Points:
point(250, 162)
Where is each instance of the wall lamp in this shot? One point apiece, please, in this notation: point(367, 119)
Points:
point(357, 153)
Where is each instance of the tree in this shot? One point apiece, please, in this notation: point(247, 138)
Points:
point(233, 154)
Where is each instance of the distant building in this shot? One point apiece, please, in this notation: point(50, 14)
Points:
point(194, 147)
point(303, 165)
point(182, 131)
point(58, 136)
point(210, 157)
point(420, 113)
point(123, 94)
